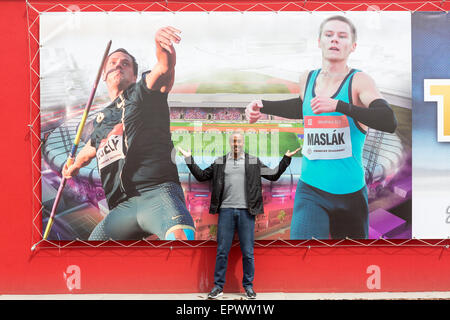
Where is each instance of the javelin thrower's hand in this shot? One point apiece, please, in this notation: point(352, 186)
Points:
point(253, 111)
point(165, 37)
point(185, 153)
point(323, 104)
point(70, 171)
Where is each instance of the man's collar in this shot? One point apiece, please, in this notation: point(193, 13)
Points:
point(230, 155)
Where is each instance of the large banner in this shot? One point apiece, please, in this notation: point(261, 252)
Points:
point(352, 178)
point(431, 125)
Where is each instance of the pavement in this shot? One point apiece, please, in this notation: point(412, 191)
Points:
point(432, 295)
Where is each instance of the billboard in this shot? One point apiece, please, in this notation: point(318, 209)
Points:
point(431, 135)
point(224, 61)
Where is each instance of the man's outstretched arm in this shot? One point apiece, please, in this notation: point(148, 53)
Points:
point(197, 172)
point(275, 173)
point(162, 76)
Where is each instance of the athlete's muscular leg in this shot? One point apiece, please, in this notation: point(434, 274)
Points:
point(310, 218)
point(162, 211)
point(119, 224)
point(181, 234)
point(351, 218)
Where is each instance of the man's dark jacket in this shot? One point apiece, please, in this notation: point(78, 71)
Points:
point(254, 170)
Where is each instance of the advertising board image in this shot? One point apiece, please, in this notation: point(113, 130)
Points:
point(351, 178)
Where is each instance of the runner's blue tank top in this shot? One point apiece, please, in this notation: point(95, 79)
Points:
point(333, 143)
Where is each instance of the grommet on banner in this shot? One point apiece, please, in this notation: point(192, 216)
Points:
point(35, 245)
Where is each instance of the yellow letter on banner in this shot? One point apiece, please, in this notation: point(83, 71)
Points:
point(439, 90)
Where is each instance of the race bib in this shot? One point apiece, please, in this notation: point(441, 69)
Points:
point(110, 149)
point(326, 137)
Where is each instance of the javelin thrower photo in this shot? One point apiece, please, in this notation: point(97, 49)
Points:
point(131, 142)
point(75, 144)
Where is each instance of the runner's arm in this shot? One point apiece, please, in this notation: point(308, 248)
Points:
point(375, 112)
point(378, 115)
point(290, 108)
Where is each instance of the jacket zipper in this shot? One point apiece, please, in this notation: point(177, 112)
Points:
point(246, 166)
point(222, 172)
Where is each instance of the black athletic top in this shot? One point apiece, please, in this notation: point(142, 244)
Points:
point(133, 142)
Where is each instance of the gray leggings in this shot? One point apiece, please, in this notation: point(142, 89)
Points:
point(158, 210)
point(323, 215)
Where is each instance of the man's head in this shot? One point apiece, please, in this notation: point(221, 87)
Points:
point(337, 37)
point(342, 19)
point(236, 142)
point(120, 69)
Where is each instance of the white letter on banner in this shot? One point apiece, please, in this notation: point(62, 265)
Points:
point(374, 281)
point(73, 277)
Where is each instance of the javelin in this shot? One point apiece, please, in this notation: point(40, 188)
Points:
point(73, 151)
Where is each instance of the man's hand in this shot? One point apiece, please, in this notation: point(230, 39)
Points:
point(185, 153)
point(252, 111)
point(290, 154)
point(166, 36)
point(323, 105)
point(162, 76)
point(84, 157)
point(71, 171)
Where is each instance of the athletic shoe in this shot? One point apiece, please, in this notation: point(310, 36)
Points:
point(250, 293)
point(215, 293)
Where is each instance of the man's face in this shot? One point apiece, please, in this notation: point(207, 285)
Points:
point(118, 72)
point(336, 41)
point(236, 143)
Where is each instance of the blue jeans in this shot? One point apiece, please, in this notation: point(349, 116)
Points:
point(159, 210)
point(231, 219)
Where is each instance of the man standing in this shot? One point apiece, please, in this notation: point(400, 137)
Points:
point(237, 197)
point(337, 104)
point(132, 143)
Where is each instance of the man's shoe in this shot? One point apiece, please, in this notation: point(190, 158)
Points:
point(215, 293)
point(250, 293)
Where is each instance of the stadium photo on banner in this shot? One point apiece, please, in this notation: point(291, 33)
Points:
point(185, 82)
